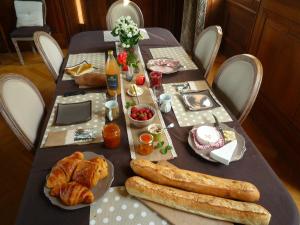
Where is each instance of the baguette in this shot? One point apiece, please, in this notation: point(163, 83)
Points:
point(204, 205)
point(195, 182)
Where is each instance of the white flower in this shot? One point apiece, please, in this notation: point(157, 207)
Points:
point(129, 35)
point(123, 45)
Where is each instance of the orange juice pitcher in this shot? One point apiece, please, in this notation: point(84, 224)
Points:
point(112, 71)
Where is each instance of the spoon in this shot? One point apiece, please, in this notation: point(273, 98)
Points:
point(171, 125)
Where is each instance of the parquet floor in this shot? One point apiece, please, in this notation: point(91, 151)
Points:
point(15, 160)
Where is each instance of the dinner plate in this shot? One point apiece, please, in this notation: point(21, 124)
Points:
point(98, 191)
point(198, 100)
point(164, 65)
point(73, 113)
point(239, 150)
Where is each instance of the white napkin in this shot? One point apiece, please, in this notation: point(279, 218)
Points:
point(225, 153)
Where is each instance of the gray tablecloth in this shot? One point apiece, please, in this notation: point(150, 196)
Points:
point(35, 208)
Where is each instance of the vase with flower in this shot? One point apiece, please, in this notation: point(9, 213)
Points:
point(129, 34)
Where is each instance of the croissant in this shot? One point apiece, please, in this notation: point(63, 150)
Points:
point(73, 193)
point(103, 167)
point(87, 173)
point(62, 172)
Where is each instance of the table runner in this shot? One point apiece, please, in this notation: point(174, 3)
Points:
point(177, 53)
point(97, 121)
point(190, 118)
point(133, 132)
point(109, 38)
point(96, 59)
point(118, 207)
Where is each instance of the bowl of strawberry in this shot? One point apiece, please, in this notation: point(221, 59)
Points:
point(141, 115)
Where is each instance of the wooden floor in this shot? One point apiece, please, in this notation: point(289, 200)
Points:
point(15, 160)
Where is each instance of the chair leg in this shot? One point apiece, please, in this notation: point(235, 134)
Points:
point(18, 51)
point(33, 47)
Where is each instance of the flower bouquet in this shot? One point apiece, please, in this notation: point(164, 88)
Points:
point(129, 35)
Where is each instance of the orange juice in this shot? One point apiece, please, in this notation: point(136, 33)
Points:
point(112, 71)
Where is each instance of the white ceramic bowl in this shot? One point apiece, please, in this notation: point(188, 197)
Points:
point(141, 123)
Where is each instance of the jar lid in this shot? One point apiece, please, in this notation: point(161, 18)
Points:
point(146, 138)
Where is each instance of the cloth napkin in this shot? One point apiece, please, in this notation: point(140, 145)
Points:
point(79, 69)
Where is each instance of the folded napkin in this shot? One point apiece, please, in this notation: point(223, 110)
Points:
point(79, 69)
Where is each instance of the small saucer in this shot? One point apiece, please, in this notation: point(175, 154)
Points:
point(139, 90)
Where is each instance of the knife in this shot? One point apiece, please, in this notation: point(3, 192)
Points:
point(217, 125)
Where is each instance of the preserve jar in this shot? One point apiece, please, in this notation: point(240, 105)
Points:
point(145, 144)
point(155, 79)
point(112, 135)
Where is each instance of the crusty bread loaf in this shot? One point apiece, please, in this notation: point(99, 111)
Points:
point(204, 205)
point(195, 182)
point(91, 80)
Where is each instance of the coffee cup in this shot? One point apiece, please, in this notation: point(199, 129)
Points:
point(112, 110)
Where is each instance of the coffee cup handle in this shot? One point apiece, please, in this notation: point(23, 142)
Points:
point(110, 117)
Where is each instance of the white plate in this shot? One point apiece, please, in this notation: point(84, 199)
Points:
point(238, 153)
point(98, 191)
point(133, 95)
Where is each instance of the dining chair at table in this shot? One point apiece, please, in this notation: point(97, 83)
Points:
point(50, 51)
point(121, 8)
point(206, 47)
point(22, 107)
point(31, 17)
point(237, 83)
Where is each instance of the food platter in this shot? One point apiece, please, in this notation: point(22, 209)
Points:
point(98, 191)
point(164, 65)
point(238, 153)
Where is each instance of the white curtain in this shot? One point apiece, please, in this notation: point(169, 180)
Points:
point(193, 21)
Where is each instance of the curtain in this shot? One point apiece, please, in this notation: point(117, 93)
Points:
point(193, 20)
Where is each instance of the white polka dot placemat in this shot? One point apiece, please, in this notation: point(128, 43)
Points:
point(177, 53)
point(118, 207)
point(109, 38)
point(190, 118)
point(96, 59)
point(98, 114)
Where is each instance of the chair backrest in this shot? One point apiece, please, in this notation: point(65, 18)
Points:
point(22, 106)
point(207, 46)
point(237, 83)
point(44, 8)
point(50, 51)
point(118, 9)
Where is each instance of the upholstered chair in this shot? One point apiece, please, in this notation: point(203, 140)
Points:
point(237, 83)
point(206, 47)
point(50, 51)
point(22, 106)
point(31, 17)
point(120, 8)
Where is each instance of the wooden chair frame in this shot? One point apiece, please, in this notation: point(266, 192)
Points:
point(36, 38)
point(109, 12)
point(219, 33)
point(16, 39)
point(5, 112)
point(258, 72)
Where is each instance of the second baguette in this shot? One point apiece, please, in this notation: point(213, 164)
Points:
point(195, 182)
point(204, 205)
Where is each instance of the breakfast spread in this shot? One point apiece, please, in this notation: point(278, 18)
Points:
point(197, 193)
point(72, 177)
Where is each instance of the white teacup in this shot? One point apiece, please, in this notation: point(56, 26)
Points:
point(112, 110)
point(165, 102)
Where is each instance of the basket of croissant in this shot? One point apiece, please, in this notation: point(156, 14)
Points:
point(78, 180)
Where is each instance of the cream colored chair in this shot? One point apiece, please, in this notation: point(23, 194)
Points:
point(237, 83)
point(118, 9)
point(22, 106)
point(206, 47)
point(50, 51)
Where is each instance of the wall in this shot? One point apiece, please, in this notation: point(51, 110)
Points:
point(63, 20)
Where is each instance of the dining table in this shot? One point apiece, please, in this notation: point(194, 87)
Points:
point(36, 209)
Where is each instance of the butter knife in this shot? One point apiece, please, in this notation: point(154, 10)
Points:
point(217, 125)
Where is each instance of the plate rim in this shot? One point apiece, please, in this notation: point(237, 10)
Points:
point(243, 145)
point(56, 202)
